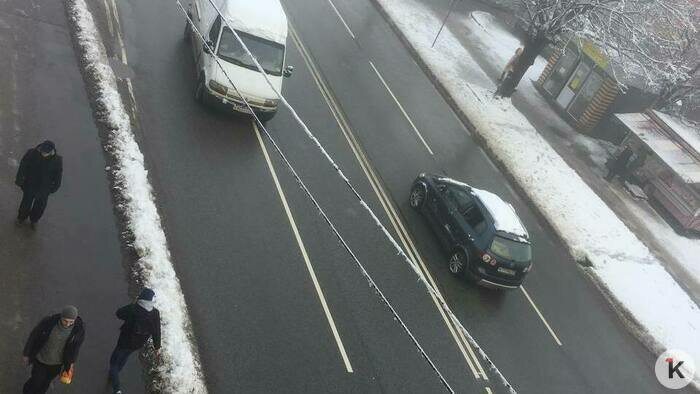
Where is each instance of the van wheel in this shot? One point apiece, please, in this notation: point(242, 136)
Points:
point(458, 262)
point(266, 116)
point(188, 33)
point(200, 90)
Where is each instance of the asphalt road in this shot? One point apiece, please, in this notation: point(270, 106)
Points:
point(256, 311)
point(74, 256)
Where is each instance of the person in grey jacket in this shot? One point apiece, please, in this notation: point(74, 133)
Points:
point(52, 347)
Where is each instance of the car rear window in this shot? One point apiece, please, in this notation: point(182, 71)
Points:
point(511, 250)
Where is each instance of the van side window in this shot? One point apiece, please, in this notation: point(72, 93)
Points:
point(214, 32)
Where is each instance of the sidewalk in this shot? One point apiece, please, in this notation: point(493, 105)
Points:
point(557, 169)
point(74, 256)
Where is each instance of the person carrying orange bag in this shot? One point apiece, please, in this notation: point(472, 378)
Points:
point(66, 376)
point(52, 347)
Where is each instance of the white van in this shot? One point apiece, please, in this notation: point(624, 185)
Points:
point(262, 25)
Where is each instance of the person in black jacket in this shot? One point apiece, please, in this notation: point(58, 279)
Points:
point(52, 347)
point(141, 321)
point(39, 175)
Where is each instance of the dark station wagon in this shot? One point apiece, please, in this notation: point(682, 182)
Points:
point(486, 240)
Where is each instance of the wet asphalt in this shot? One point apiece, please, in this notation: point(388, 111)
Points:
point(256, 314)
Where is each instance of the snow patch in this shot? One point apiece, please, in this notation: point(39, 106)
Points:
point(262, 18)
point(689, 134)
point(504, 216)
point(178, 369)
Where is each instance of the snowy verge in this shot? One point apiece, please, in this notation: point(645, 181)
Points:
point(630, 274)
point(178, 369)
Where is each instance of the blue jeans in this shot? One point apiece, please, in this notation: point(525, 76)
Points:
point(116, 363)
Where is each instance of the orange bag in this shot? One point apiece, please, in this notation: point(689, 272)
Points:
point(67, 376)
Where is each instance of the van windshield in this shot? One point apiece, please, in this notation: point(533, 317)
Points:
point(270, 55)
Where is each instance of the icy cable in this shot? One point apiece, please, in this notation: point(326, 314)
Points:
point(340, 173)
point(179, 369)
point(301, 183)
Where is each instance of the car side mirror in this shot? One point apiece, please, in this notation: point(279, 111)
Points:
point(288, 71)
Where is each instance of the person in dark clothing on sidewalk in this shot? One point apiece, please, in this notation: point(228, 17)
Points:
point(52, 347)
point(141, 321)
point(39, 175)
point(618, 166)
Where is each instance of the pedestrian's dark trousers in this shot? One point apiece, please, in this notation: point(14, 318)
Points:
point(611, 174)
point(32, 206)
point(41, 378)
point(116, 363)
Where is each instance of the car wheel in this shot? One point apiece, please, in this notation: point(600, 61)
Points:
point(458, 262)
point(417, 197)
point(200, 91)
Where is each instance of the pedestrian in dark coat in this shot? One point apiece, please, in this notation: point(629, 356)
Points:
point(618, 166)
point(52, 347)
point(39, 175)
point(141, 321)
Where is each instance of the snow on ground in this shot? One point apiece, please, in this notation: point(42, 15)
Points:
point(178, 369)
point(685, 249)
point(689, 133)
point(634, 278)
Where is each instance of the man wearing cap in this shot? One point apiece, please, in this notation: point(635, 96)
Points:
point(141, 321)
point(52, 346)
point(39, 175)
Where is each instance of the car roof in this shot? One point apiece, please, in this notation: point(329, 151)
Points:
point(261, 18)
point(505, 219)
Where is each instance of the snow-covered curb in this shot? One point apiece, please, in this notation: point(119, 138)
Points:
point(631, 275)
point(178, 369)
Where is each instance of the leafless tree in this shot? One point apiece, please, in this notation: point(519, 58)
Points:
point(681, 96)
point(634, 34)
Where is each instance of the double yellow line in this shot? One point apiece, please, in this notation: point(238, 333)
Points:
point(397, 224)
